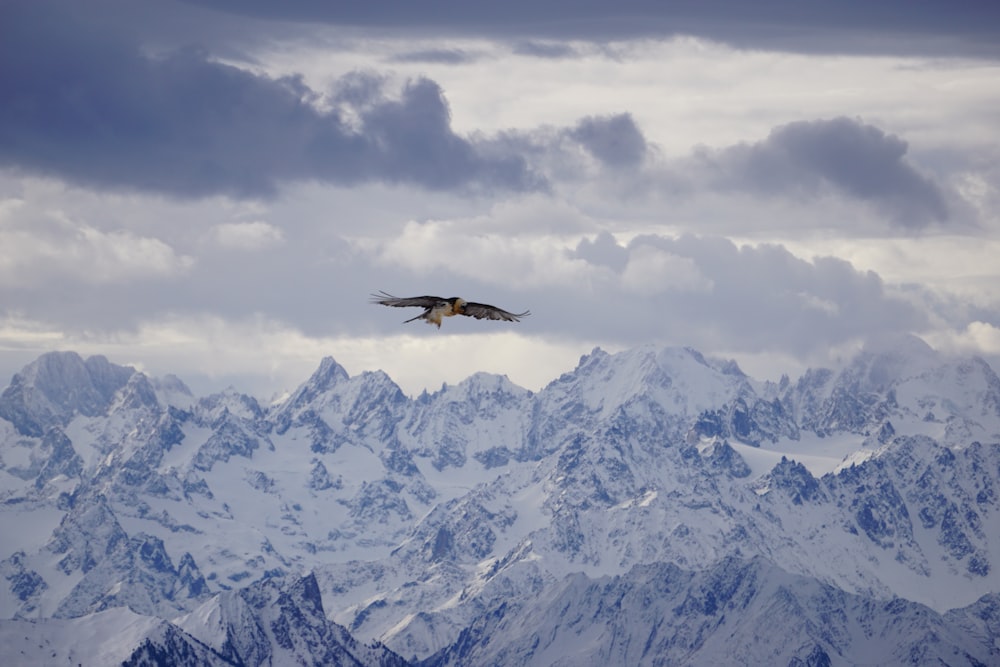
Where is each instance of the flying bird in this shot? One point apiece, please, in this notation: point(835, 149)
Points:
point(436, 308)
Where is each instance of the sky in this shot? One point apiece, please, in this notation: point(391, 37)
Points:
point(214, 188)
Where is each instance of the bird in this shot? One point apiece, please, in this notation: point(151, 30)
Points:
point(436, 308)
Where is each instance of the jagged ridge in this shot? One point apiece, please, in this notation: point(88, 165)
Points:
point(421, 517)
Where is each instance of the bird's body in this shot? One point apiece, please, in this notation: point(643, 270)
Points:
point(436, 308)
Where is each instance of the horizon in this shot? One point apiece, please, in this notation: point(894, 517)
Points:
point(216, 187)
point(203, 386)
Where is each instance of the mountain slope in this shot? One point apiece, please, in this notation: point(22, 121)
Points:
point(417, 519)
point(735, 613)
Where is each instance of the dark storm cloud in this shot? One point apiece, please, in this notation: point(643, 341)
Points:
point(552, 50)
point(87, 105)
point(841, 155)
point(436, 56)
point(957, 26)
point(614, 140)
point(415, 143)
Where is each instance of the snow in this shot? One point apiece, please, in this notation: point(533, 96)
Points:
point(84, 432)
point(641, 501)
point(855, 459)
point(568, 500)
point(673, 376)
point(819, 455)
point(205, 623)
point(180, 455)
point(110, 637)
point(11, 485)
point(528, 504)
point(30, 525)
point(19, 456)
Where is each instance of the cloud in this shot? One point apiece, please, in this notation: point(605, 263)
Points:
point(545, 49)
point(307, 295)
point(169, 171)
point(592, 147)
point(603, 250)
point(91, 106)
point(805, 159)
point(262, 356)
point(964, 26)
point(246, 235)
point(980, 336)
point(650, 270)
point(582, 284)
point(703, 291)
point(522, 260)
point(18, 332)
point(436, 56)
point(838, 172)
point(415, 142)
point(41, 248)
point(88, 105)
point(713, 294)
point(981, 339)
point(614, 140)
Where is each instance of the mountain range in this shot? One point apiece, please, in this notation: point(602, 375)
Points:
point(649, 507)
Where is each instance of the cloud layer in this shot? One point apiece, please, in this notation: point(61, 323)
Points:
point(177, 178)
point(89, 106)
point(848, 156)
point(825, 25)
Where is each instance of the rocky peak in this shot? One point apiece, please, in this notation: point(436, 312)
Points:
point(228, 405)
point(138, 393)
point(280, 621)
point(58, 385)
point(326, 377)
point(323, 381)
point(885, 363)
point(172, 391)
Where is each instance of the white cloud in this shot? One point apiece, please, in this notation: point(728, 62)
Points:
point(953, 267)
point(824, 305)
point(983, 336)
point(650, 270)
point(264, 356)
point(492, 257)
point(976, 338)
point(18, 332)
point(46, 245)
point(255, 235)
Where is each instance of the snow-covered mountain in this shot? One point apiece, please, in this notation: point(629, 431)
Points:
point(648, 507)
point(275, 621)
point(734, 613)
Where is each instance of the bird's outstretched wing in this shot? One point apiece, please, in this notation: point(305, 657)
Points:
point(387, 299)
point(483, 311)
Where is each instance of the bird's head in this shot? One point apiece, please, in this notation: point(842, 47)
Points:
point(457, 304)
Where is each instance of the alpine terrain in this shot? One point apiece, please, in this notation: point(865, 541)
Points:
point(651, 507)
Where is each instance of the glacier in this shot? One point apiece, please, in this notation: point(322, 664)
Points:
point(653, 506)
